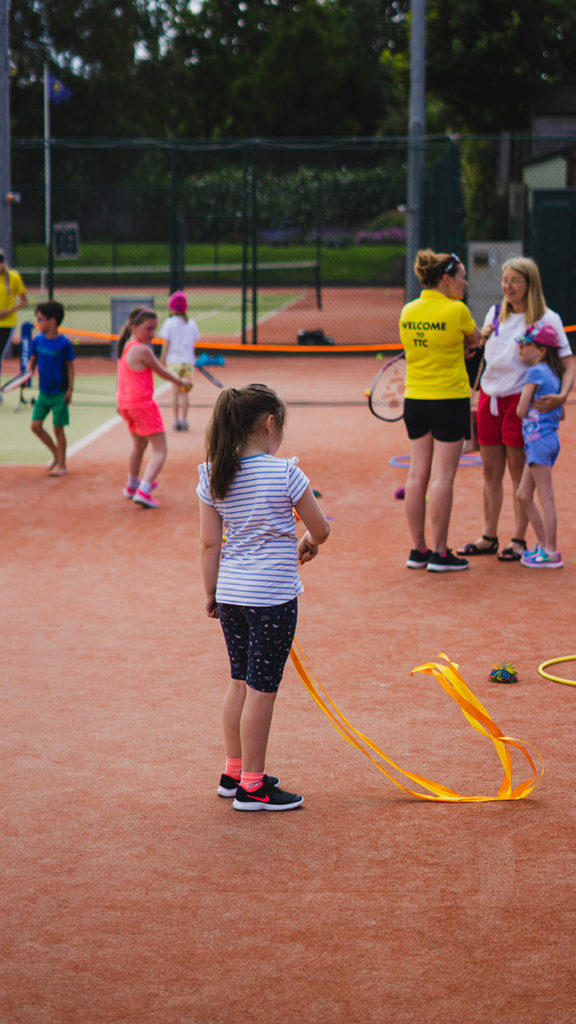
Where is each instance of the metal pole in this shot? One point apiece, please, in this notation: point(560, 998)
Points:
point(175, 262)
point(255, 244)
point(5, 142)
point(47, 159)
point(416, 131)
point(245, 213)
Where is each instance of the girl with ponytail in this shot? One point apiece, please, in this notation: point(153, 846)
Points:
point(252, 584)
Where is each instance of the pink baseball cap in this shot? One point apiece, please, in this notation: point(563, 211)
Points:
point(540, 334)
point(178, 303)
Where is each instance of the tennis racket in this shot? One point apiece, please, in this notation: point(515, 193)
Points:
point(209, 376)
point(386, 396)
point(16, 382)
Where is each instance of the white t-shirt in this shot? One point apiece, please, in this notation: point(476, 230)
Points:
point(181, 336)
point(259, 561)
point(505, 372)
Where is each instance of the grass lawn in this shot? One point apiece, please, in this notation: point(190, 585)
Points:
point(217, 311)
point(348, 264)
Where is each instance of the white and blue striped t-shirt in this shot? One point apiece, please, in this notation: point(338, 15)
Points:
point(259, 562)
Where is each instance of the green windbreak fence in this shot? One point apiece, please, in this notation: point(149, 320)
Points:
point(273, 239)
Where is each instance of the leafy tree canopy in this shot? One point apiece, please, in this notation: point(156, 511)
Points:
point(488, 61)
point(230, 68)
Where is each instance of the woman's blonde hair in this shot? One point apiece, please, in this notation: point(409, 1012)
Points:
point(6, 272)
point(535, 301)
point(430, 266)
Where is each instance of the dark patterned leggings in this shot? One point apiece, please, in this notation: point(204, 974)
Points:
point(259, 641)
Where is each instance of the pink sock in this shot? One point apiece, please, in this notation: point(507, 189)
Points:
point(251, 780)
point(233, 767)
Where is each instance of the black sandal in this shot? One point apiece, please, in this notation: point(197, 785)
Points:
point(473, 549)
point(508, 554)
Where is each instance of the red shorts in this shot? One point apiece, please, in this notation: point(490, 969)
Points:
point(144, 419)
point(505, 428)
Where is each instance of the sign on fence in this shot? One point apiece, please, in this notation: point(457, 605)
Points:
point(66, 240)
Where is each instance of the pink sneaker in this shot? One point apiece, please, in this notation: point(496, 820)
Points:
point(147, 500)
point(129, 492)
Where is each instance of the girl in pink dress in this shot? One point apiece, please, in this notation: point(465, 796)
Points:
point(135, 401)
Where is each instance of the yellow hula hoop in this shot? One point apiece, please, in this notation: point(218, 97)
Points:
point(556, 661)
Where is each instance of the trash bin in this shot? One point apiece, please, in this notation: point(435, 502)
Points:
point(120, 309)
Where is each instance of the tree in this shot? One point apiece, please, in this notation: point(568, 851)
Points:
point(278, 67)
point(229, 68)
point(309, 80)
point(487, 61)
point(100, 49)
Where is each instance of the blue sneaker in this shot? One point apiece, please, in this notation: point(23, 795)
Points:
point(542, 559)
point(531, 553)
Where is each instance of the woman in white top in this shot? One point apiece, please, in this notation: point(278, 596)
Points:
point(499, 428)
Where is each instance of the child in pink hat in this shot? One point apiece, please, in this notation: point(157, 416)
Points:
point(180, 334)
point(539, 351)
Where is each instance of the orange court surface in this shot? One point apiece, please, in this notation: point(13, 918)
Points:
point(133, 894)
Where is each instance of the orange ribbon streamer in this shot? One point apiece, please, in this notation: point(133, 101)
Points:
point(452, 682)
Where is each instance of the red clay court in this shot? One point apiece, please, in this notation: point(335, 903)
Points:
point(132, 894)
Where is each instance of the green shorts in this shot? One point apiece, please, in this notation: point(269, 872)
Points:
point(56, 404)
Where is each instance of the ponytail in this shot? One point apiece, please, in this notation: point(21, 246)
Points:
point(430, 266)
point(235, 416)
point(136, 316)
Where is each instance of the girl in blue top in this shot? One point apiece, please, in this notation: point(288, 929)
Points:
point(539, 351)
point(252, 584)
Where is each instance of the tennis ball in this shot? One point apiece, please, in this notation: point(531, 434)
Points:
point(400, 494)
point(367, 393)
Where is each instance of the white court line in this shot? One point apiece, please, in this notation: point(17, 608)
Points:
point(105, 427)
point(93, 436)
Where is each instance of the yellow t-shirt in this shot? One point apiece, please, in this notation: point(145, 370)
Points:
point(8, 297)
point(432, 330)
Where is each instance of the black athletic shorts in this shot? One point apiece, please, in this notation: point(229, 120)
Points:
point(447, 419)
point(259, 641)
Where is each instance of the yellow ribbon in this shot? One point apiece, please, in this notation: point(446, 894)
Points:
point(452, 682)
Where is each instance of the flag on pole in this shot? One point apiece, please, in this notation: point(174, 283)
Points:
point(57, 91)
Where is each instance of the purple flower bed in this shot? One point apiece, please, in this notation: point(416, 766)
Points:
point(279, 236)
point(383, 237)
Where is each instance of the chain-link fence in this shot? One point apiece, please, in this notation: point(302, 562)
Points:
point(273, 240)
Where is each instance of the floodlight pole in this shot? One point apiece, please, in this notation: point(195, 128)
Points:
point(47, 160)
point(5, 143)
point(416, 131)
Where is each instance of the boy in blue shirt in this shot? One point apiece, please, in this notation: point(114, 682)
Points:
point(54, 356)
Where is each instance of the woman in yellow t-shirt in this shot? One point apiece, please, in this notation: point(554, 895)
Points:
point(12, 298)
point(437, 331)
